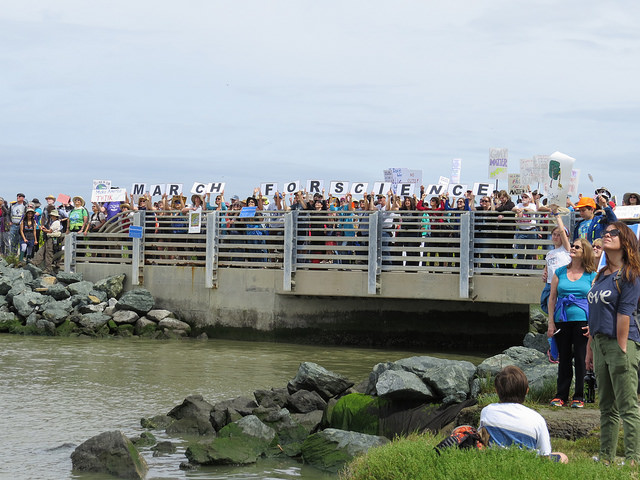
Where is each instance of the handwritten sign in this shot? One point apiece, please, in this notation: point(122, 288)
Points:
point(498, 159)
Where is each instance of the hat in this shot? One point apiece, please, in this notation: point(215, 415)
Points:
point(535, 192)
point(125, 205)
point(30, 210)
point(77, 197)
point(604, 192)
point(235, 198)
point(528, 194)
point(20, 195)
point(625, 197)
point(49, 197)
point(586, 202)
point(179, 198)
point(194, 196)
point(36, 201)
point(54, 213)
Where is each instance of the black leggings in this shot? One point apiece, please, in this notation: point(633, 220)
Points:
point(572, 345)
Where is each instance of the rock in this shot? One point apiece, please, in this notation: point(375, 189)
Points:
point(58, 291)
point(69, 278)
point(537, 341)
point(139, 301)
point(331, 449)
point(57, 312)
point(304, 401)
point(94, 321)
point(174, 324)
point(35, 271)
point(46, 326)
point(355, 412)
point(157, 315)
point(144, 326)
point(79, 300)
point(112, 453)
point(48, 280)
point(276, 397)
point(18, 287)
point(572, 424)
point(290, 433)
point(125, 316)
point(309, 421)
point(161, 448)
point(80, 288)
point(541, 374)
point(92, 308)
point(157, 422)
point(523, 357)
point(229, 411)
point(238, 443)
point(8, 322)
point(313, 377)
point(5, 285)
point(492, 365)
point(192, 417)
point(402, 384)
point(111, 286)
point(145, 439)
point(27, 302)
point(97, 296)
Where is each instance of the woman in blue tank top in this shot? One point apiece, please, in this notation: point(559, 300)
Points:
point(569, 313)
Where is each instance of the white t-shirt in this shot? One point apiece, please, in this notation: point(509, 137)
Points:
point(514, 424)
point(524, 222)
point(556, 258)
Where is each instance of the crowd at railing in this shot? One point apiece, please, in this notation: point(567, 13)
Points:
point(416, 232)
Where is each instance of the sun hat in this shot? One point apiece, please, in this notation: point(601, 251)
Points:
point(78, 197)
point(586, 202)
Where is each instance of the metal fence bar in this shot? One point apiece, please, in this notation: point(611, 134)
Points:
point(466, 248)
point(211, 263)
point(374, 258)
point(136, 245)
point(70, 253)
point(289, 251)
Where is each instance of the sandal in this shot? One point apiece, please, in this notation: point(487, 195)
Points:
point(577, 404)
point(556, 402)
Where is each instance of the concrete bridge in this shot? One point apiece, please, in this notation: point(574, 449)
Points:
point(376, 278)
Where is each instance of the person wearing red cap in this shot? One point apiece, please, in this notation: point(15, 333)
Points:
point(592, 225)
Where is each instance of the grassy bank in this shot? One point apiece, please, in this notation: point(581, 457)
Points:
point(414, 458)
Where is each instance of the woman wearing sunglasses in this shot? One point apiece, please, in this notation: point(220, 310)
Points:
point(613, 350)
point(568, 323)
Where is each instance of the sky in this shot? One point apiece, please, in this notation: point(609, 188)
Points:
point(252, 91)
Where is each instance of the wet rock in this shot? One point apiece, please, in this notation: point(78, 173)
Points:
point(57, 312)
point(157, 422)
point(46, 326)
point(331, 449)
point(158, 315)
point(402, 384)
point(163, 448)
point(111, 286)
point(125, 316)
point(27, 302)
point(304, 401)
point(313, 377)
point(139, 301)
point(112, 453)
point(69, 278)
point(94, 321)
point(309, 421)
point(229, 411)
point(145, 439)
point(174, 324)
point(192, 416)
point(276, 397)
point(144, 326)
point(80, 288)
point(97, 296)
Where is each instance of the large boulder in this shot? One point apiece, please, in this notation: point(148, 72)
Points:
point(112, 453)
point(93, 321)
point(28, 302)
point(144, 326)
point(523, 357)
point(537, 341)
point(80, 288)
point(238, 443)
point(174, 324)
point(69, 278)
point(291, 433)
point(157, 315)
point(331, 449)
point(313, 377)
point(192, 417)
point(276, 397)
point(112, 286)
point(304, 401)
point(403, 384)
point(228, 411)
point(57, 312)
point(125, 316)
point(139, 301)
point(58, 291)
point(18, 287)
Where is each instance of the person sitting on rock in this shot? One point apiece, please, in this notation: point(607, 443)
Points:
point(511, 423)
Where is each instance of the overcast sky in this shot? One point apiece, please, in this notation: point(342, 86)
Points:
point(249, 91)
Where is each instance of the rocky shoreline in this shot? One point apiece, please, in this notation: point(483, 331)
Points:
point(321, 418)
point(32, 302)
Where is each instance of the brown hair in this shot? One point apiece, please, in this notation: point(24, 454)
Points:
point(511, 384)
point(588, 257)
point(629, 245)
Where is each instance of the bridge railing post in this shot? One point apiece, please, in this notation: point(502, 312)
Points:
point(374, 259)
point(136, 254)
point(466, 253)
point(289, 258)
point(70, 252)
point(211, 265)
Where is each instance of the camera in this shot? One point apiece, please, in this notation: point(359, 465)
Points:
point(590, 387)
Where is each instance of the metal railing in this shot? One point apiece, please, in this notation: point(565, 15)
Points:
point(460, 242)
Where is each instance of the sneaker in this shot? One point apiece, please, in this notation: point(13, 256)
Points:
point(577, 404)
point(556, 402)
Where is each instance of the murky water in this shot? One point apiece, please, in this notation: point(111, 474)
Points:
point(56, 393)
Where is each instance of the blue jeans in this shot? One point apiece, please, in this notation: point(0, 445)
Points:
point(14, 238)
point(525, 235)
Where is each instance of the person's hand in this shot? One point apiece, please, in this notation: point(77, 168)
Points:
point(586, 331)
point(588, 359)
point(544, 276)
point(551, 329)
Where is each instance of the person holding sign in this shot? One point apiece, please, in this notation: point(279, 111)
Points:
point(592, 225)
point(527, 226)
point(613, 349)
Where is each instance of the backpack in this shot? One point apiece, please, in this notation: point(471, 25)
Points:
point(464, 436)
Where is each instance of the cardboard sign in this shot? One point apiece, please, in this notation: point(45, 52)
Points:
point(113, 195)
point(515, 185)
point(528, 175)
point(291, 187)
point(482, 189)
point(338, 188)
point(195, 221)
point(456, 189)
point(315, 186)
point(558, 177)
point(63, 199)
point(627, 212)
point(170, 189)
point(456, 170)
point(498, 160)
point(101, 184)
point(358, 188)
point(268, 189)
point(381, 188)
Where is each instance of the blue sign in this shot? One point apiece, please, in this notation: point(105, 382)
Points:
point(135, 232)
point(248, 212)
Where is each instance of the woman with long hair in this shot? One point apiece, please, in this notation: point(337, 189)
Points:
point(568, 314)
point(27, 234)
point(613, 351)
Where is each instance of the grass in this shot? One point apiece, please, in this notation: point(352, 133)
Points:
point(414, 458)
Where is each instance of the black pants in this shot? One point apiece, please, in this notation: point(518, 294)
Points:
point(572, 345)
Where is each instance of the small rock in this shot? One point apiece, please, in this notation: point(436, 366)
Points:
point(125, 316)
point(157, 315)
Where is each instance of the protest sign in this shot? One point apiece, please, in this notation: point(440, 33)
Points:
point(540, 167)
point(498, 159)
point(195, 221)
point(628, 212)
point(575, 181)
point(456, 189)
point(170, 189)
point(315, 186)
point(200, 188)
point(558, 178)
point(528, 175)
point(63, 199)
point(101, 184)
point(247, 212)
point(456, 170)
point(338, 188)
point(112, 195)
point(515, 185)
point(381, 188)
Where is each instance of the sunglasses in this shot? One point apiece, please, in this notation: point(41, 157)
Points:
point(576, 247)
point(597, 247)
point(614, 232)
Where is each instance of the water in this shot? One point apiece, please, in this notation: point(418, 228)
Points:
point(56, 393)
